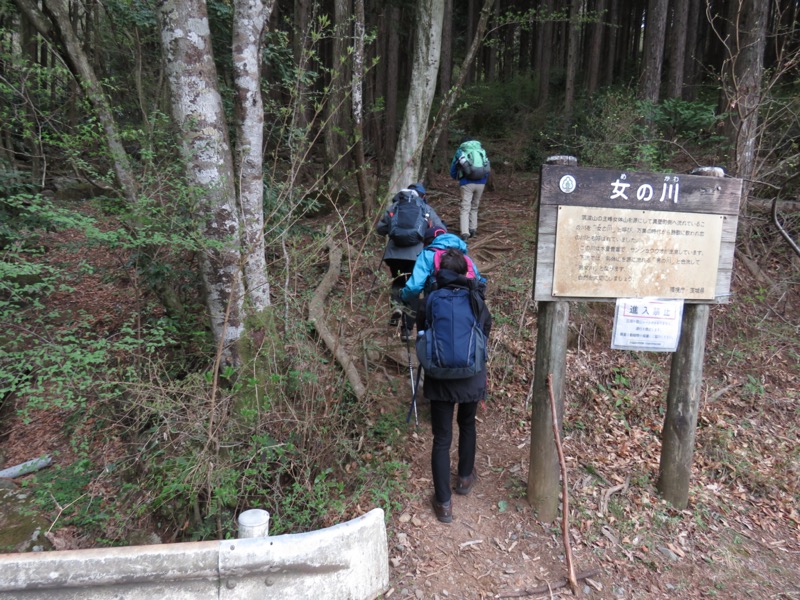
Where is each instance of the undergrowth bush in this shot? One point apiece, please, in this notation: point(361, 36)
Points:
point(614, 129)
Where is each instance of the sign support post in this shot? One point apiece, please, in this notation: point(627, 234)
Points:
point(551, 359)
point(683, 405)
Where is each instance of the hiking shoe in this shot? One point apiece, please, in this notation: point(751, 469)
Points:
point(464, 484)
point(394, 320)
point(465, 236)
point(473, 233)
point(444, 511)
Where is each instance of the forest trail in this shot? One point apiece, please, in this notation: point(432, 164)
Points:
point(635, 545)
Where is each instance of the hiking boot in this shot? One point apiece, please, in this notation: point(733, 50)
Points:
point(465, 236)
point(444, 512)
point(473, 233)
point(394, 320)
point(464, 484)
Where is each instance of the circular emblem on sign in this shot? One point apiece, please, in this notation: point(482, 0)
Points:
point(567, 184)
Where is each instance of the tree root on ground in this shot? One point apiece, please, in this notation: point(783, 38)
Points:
point(316, 316)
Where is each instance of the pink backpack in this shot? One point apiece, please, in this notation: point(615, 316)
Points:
point(437, 259)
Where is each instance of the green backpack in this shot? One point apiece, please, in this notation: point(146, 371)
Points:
point(473, 161)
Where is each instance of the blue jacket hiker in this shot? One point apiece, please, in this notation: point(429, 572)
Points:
point(437, 240)
point(457, 303)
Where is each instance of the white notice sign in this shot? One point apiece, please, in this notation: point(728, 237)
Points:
point(651, 324)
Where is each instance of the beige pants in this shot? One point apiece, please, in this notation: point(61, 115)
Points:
point(470, 201)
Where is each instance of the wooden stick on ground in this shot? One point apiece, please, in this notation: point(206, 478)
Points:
point(316, 316)
point(573, 582)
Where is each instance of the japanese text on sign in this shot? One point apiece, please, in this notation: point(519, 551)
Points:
point(647, 324)
point(669, 192)
point(606, 252)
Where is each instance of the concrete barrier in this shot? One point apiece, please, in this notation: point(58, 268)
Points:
point(349, 561)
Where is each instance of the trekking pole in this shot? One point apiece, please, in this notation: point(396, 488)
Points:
point(413, 407)
point(407, 333)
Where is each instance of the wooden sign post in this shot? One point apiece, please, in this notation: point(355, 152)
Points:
point(607, 234)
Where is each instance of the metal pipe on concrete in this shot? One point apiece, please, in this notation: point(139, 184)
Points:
point(253, 523)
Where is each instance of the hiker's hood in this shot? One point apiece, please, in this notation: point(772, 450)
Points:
point(446, 277)
point(448, 240)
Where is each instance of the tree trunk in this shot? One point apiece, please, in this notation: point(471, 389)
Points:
point(611, 49)
point(302, 12)
point(441, 155)
point(509, 52)
point(654, 36)
point(250, 18)
point(691, 60)
point(392, 74)
point(677, 48)
point(375, 86)
point(367, 207)
point(408, 155)
point(744, 86)
point(595, 48)
point(544, 54)
point(574, 33)
point(337, 115)
point(198, 112)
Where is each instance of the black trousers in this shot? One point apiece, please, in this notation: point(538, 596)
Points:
point(442, 426)
point(400, 270)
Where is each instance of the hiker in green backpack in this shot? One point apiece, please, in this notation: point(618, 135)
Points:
point(471, 168)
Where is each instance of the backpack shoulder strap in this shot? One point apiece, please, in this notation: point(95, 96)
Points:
point(437, 259)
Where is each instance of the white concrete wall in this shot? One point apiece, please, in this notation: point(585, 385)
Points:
point(349, 561)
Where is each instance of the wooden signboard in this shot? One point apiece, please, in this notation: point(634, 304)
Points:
point(607, 234)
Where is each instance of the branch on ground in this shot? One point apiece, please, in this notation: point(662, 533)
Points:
point(316, 316)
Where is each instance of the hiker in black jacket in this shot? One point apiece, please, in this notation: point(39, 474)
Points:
point(400, 259)
point(445, 394)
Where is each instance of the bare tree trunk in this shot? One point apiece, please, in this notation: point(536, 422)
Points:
point(611, 48)
point(302, 15)
point(248, 29)
point(392, 74)
point(337, 115)
point(509, 52)
point(367, 206)
point(690, 61)
point(544, 54)
point(29, 47)
point(654, 36)
point(408, 154)
point(677, 46)
point(198, 112)
point(744, 86)
point(375, 86)
point(595, 48)
point(574, 32)
point(441, 154)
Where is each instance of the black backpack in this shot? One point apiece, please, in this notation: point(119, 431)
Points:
point(408, 219)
